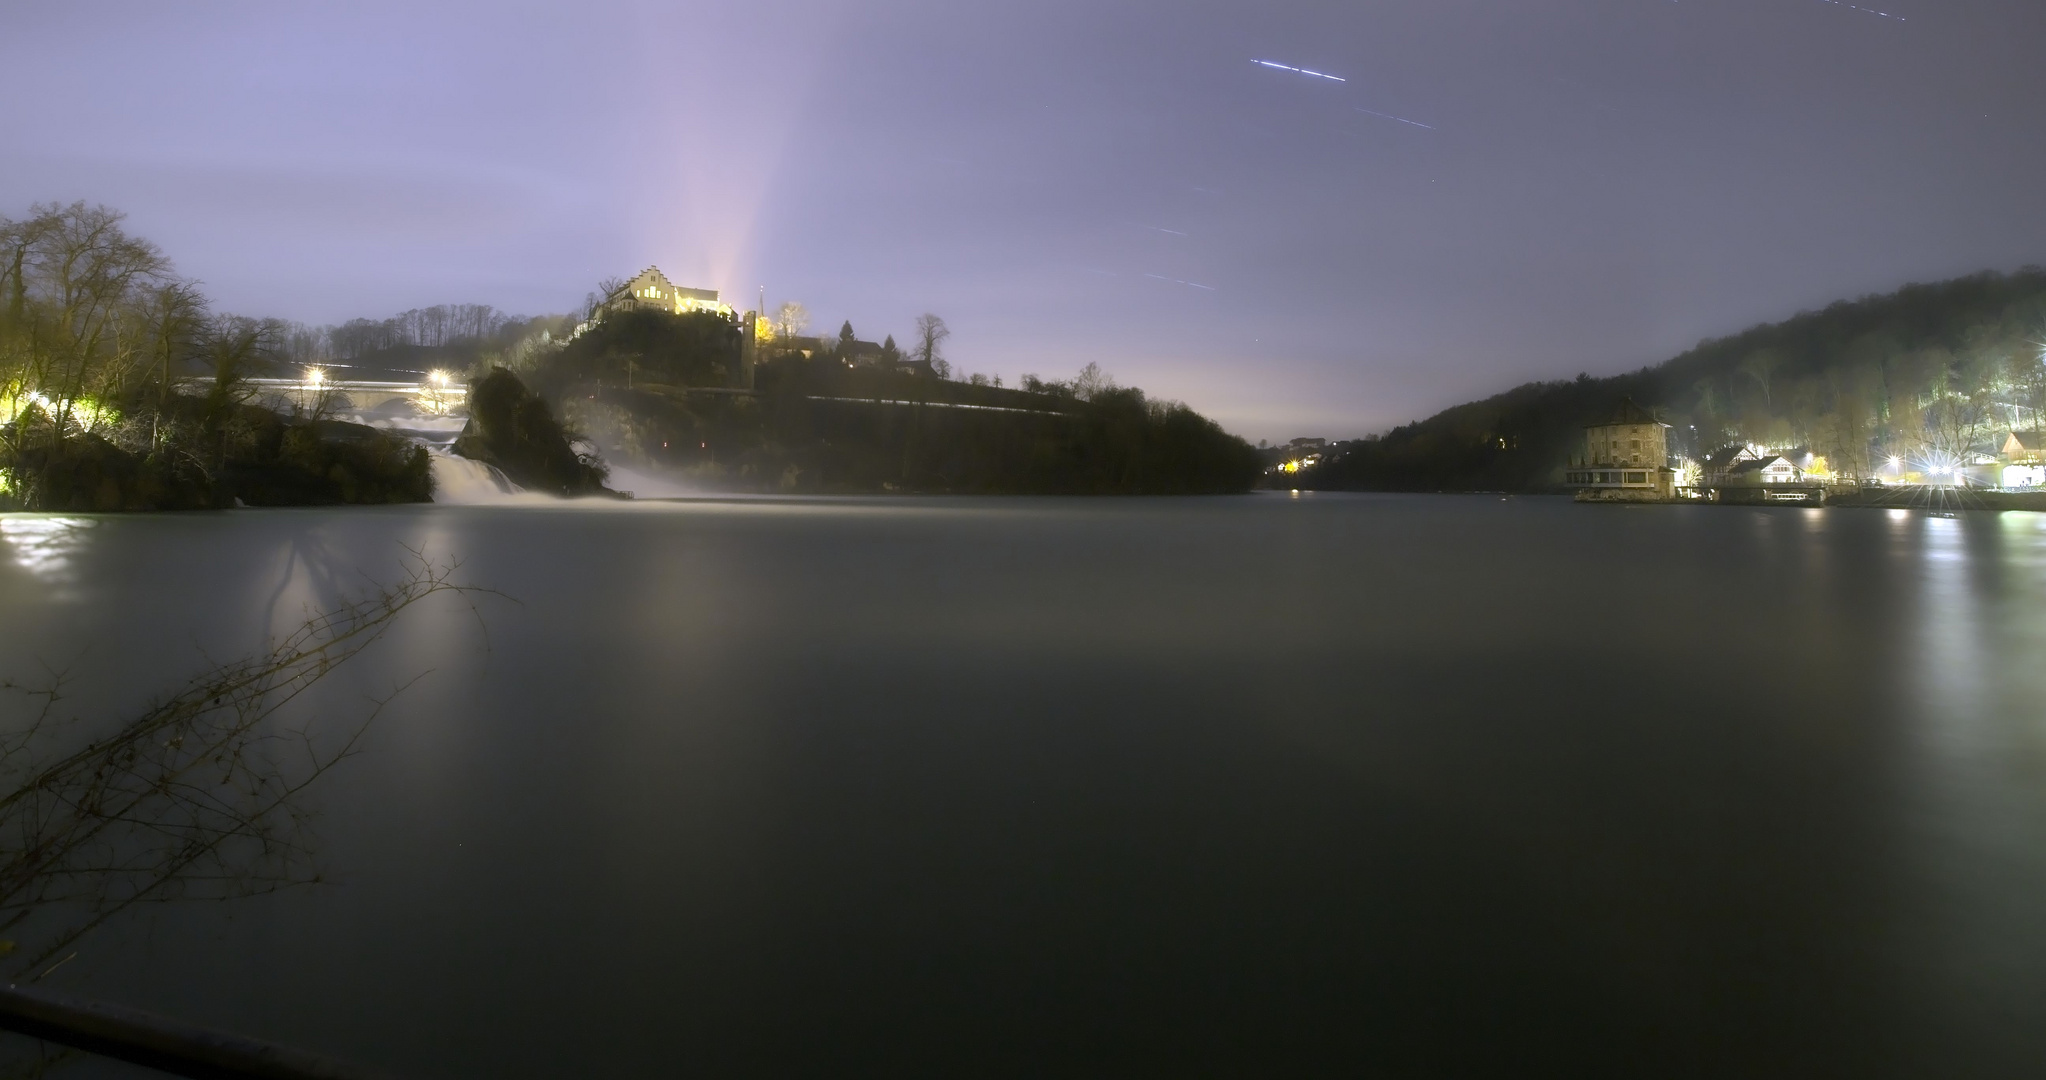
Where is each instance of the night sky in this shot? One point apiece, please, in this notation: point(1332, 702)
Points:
point(1498, 190)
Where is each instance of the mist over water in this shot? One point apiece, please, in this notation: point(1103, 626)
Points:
point(458, 481)
point(1267, 785)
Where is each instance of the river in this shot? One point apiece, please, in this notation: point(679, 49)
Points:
point(1274, 785)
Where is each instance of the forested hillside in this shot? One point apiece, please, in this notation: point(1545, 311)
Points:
point(1926, 373)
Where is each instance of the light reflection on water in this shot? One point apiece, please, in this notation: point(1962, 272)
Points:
point(46, 546)
point(1951, 627)
point(988, 785)
point(1978, 751)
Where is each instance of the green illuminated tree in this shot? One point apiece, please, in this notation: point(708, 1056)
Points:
point(84, 322)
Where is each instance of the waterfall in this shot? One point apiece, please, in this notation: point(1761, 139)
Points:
point(462, 481)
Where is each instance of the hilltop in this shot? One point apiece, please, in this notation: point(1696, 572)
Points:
point(680, 395)
point(1927, 370)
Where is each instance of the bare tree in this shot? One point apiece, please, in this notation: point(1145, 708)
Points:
point(75, 276)
point(928, 345)
point(16, 238)
point(76, 331)
point(174, 314)
point(594, 302)
point(2027, 374)
point(1761, 366)
point(790, 320)
point(237, 349)
point(1092, 381)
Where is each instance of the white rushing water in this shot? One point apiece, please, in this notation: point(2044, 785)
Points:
point(461, 481)
point(647, 485)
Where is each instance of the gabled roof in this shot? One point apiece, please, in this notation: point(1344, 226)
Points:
point(2026, 440)
point(1761, 464)
point(1629, 413)
point(628, 284)
point(652, 276)
point(1727, 455)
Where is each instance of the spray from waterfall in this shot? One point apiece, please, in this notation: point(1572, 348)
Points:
point(463, 482)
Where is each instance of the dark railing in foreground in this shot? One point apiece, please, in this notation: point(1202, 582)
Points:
point(160, 1043)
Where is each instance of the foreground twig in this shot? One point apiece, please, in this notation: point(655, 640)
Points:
point(199, 797)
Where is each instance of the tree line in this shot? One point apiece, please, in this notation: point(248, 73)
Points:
point(99, 341)
point(439, 326)
point(1930, 375)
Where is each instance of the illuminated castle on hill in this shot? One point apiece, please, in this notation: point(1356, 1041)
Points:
point(651, 290)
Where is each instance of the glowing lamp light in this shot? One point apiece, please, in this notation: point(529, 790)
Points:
point(315, 376)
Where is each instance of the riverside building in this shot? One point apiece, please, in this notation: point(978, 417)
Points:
point(1625, 459)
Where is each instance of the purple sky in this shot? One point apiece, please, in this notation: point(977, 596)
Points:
point(1601, 182)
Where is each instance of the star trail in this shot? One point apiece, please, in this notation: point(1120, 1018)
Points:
point(1298, 71)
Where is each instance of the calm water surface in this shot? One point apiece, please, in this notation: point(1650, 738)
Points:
point(1336, 785)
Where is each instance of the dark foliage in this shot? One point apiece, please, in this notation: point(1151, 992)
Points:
point(512, 428)
point(1881, 371)
point(206, 453)
point(87, 474)
point(823, 427)
point(325, 463)
point(660, 388)
point(629, 347)
point(1119, 446)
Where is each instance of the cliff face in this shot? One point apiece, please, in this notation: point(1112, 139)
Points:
point(512, 428)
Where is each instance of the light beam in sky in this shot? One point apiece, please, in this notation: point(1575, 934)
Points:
point(1869, 11)
point(1401, 119)
point(1154, 228)
point(1299, 71)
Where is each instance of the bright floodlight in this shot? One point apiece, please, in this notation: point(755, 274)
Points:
point(315, 376)
point(438, 378)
